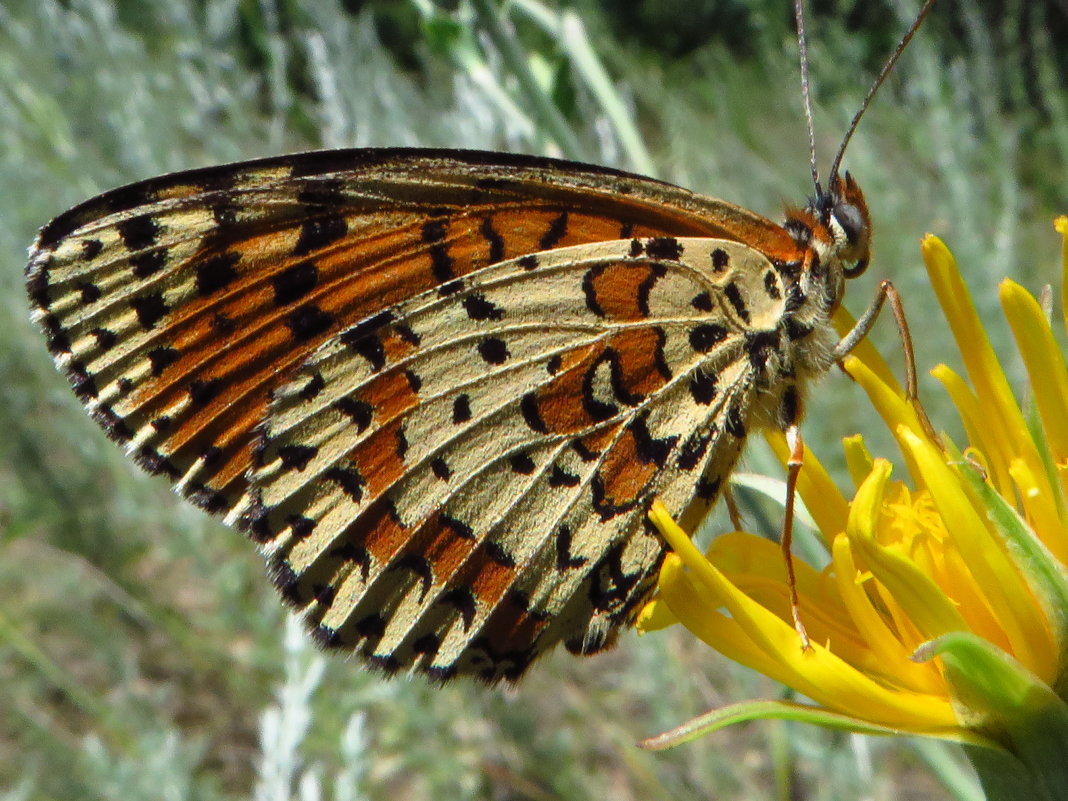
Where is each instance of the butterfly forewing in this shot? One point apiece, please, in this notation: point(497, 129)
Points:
point(474, 403)
point(462, 480)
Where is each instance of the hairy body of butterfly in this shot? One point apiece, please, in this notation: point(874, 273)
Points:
point(441, 388)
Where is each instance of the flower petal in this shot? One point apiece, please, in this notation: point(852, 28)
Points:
point(922, 600)
point(1045, 365)
point(655, 615)
point(756, 637)
point(890, 403)
point(1060, 225)
point(889, 655)
point(1046, 575)
point(1002, 413)
point(977, 427)
point(986, 559)
point(858, 460)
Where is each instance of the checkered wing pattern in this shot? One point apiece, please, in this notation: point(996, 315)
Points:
point(462, 480)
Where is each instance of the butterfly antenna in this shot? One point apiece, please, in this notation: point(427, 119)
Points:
point(889, 65)
point(802, 47)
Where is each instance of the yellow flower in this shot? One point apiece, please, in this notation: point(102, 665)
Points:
point(943, 611)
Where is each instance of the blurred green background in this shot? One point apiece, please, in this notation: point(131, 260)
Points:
point(142, 653)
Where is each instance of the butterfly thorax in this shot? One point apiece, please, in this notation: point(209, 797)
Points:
point(832, 236)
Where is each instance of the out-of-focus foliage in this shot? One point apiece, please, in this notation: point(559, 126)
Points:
point(143, 654)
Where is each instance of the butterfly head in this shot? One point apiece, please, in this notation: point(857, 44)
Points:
point(835, 229)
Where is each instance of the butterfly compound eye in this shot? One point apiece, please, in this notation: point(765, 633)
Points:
point(850, 220)
point(850, 214)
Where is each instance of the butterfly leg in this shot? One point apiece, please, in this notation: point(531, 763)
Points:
point(889, 294)
point(732, 509)
point(793, 468)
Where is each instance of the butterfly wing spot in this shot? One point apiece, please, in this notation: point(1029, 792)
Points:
point(461, 409)
point(161, 358)
point(216, 273)
point(309, 322)
point(319, 232)
point(565, 560)
point(696, 446)
point(441, 468)
point(556, 232)
point(720, 259)
point(493, 239)
point(150, 309)
point(313, 387)
point(441, 264)
point(664, 247)
point(450, 288)
point(559, 477)
point(703, 387)
point(204, 391)
point(493, 350)
point(294, 282)
point(348, 480)
point(296, 457)
point(772, 285)
point(478, 308)
point(138, 233)
point(612, 584)
point(706, 336)
point(89, 292)
point(149, 263)
point(359, 412)
point(733, 423)
point(522, 463)
point(91, 248)
point(734, 295)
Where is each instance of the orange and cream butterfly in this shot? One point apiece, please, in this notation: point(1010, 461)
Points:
point(441, 388)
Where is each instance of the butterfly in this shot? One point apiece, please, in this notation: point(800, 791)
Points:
point(441, 388)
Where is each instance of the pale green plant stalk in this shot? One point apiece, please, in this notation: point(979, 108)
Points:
point(87, 102)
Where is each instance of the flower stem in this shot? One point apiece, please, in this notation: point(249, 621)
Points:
point(1004, 777)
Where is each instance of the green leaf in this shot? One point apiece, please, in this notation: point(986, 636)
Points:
point(780, 710)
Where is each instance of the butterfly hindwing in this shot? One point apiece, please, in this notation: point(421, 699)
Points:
point(461, 480)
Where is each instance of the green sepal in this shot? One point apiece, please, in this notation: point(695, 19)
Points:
point(1012, 707)
point(1045, 575)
